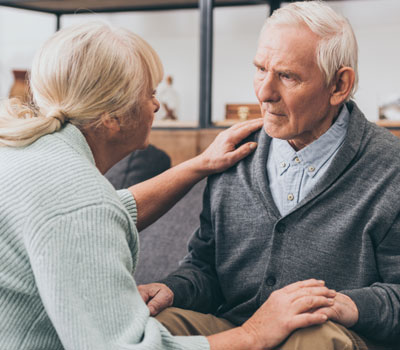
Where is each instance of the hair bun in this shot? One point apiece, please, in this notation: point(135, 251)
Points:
point(59, 114)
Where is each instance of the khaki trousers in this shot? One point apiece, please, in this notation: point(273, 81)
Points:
point(328, 336)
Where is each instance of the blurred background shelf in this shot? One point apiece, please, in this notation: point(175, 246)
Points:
point(174, 124)
point(389, 123)
point(182, 145)
point(206, 35)
point(392, 125)
point(183, 139)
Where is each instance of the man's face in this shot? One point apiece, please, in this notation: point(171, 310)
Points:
point(291, 89)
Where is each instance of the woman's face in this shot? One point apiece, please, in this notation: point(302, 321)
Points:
point(140, 131)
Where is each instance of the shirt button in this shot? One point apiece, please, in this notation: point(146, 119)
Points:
point(311, 169)
point(271, 280)
point(281, 227)
point(283, 164)
point(290, 196)
point(297, 160)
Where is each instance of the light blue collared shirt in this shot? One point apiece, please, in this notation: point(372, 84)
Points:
point(293, 174)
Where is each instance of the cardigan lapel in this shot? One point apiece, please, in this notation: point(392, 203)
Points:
point(346, 153)
point(259, 174)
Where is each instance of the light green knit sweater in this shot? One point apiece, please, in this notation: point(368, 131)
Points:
point(68, 250)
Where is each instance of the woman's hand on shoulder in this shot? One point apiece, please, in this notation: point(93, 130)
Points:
point(223, 151)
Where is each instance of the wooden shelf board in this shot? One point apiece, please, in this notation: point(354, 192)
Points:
point(389, 123)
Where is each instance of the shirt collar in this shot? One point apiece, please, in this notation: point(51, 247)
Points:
point(316, 154)
point(284, 154)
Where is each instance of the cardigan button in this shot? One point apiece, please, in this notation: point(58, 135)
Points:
point(281, 227)
point(271, 280)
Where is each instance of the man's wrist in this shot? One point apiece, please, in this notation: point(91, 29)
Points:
point(170, 283)
point(365, 308)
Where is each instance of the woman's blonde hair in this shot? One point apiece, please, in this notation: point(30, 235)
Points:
point(337, 47)
point(80, 74)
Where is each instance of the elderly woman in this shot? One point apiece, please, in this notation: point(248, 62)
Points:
point(68, 240)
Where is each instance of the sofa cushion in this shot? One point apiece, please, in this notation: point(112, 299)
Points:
point(138, 166)
point(164, 243)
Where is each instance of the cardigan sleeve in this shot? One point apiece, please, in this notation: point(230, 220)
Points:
point(195, 283)
point(379, 304)
point(83, 271)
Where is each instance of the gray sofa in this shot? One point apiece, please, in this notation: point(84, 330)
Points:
point(138, 166)
point(164, 243)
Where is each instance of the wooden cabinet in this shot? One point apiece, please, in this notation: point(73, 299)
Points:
point(182, 145)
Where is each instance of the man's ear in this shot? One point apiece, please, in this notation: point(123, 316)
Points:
point(343, 83)
point(111, 123)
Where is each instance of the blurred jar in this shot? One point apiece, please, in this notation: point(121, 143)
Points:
point(20, 87)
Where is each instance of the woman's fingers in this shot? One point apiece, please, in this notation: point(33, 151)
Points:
point(310, 295)
point(310, 303)
point(304, 308)
point(242, 152)
point(242, 130)
point(306, 320)
point(322, 291)
point(330, 312)
point(222, 153)
point(303, 284)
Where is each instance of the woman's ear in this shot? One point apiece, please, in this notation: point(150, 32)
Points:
point(111, 123)
point(343, 84)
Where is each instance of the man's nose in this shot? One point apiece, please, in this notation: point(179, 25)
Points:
point(267, 89)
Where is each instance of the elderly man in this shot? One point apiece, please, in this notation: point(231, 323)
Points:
point(318, 199)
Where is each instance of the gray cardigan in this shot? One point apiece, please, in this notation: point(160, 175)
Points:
point(346, 231)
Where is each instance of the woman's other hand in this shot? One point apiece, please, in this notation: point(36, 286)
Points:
point(222, 153)
point(285, 310)
point(288, 309)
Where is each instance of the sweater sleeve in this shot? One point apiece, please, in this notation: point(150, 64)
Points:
point(83, 271)
point(195, 283)
point(379, 304)
point(129, 203)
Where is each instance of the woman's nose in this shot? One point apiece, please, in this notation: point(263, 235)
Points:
point(156, 105)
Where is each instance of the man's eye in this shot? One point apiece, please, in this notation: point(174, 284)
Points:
point(285, 76)
point(261, 69)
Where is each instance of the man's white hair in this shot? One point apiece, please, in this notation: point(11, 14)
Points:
point(338, 45)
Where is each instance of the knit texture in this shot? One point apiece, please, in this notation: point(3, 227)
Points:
point(68, 251)
point(346, 231)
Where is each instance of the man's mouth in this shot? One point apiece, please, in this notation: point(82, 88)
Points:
point(266, 109)
point(275, 113)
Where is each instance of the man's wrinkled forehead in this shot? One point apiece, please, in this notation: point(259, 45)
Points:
point(288, 38)
point(298, 25)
